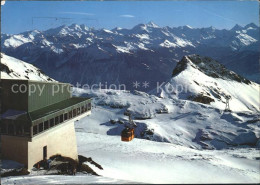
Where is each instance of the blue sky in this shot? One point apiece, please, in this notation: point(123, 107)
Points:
point(19, 16)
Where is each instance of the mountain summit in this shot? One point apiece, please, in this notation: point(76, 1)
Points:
point(152, 24)
point(205, 80)
point(209, 67)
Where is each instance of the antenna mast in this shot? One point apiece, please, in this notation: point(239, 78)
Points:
point(227, 108)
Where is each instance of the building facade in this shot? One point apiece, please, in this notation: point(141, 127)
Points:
point(37, 120)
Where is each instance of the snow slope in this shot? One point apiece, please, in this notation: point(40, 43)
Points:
point(176, 150)
point(205, 80)
point(152, 162)
point(12, 68)
point(184, 118)
point(62, 179)
point(142, 161)
point(181, 122)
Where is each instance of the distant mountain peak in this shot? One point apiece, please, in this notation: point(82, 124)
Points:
point(84, 27)
point(118, 28)
point(212, 28)
point(204, 80)
point(187, 26)
point(253, 25)
point(152, 24)
point(209, 67)
point(75, 27)
point(237, 28)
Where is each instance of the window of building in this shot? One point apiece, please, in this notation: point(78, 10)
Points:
point(82, 109)
point(74, 113)
point(46, 125)
point(89, 106)
point(78, 111)
point(86, 107)
point(52, 122)
point(44, 152)
point(35, 130)
point(57, 120)
point(61, 118)
point(70, 114)
point(65, 116)
point(40, 127)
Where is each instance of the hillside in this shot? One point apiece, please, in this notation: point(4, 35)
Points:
point(205, 80)
point(12, 68)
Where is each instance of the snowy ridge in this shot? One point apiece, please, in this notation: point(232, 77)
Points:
point(205, 80)
point(56, 49)
point(12, 68)
point(17, 40)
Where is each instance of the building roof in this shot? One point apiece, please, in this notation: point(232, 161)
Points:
point(48, 112)
point(27, 95)
point(51, 109)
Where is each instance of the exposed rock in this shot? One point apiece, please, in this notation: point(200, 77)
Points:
point(60, 165)
point(248, 138)
point(209, 67)
point(201, 99)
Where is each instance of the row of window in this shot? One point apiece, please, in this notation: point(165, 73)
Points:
point(60, 119)
point(11, 129)
point(22, 130)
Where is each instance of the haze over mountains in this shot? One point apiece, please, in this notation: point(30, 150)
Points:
point(147, 52)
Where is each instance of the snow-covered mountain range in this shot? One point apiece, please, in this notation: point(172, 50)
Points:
point(187, 110)
point(177, 131)
point(12, 68)
point(196, 93)
point(146, 52)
